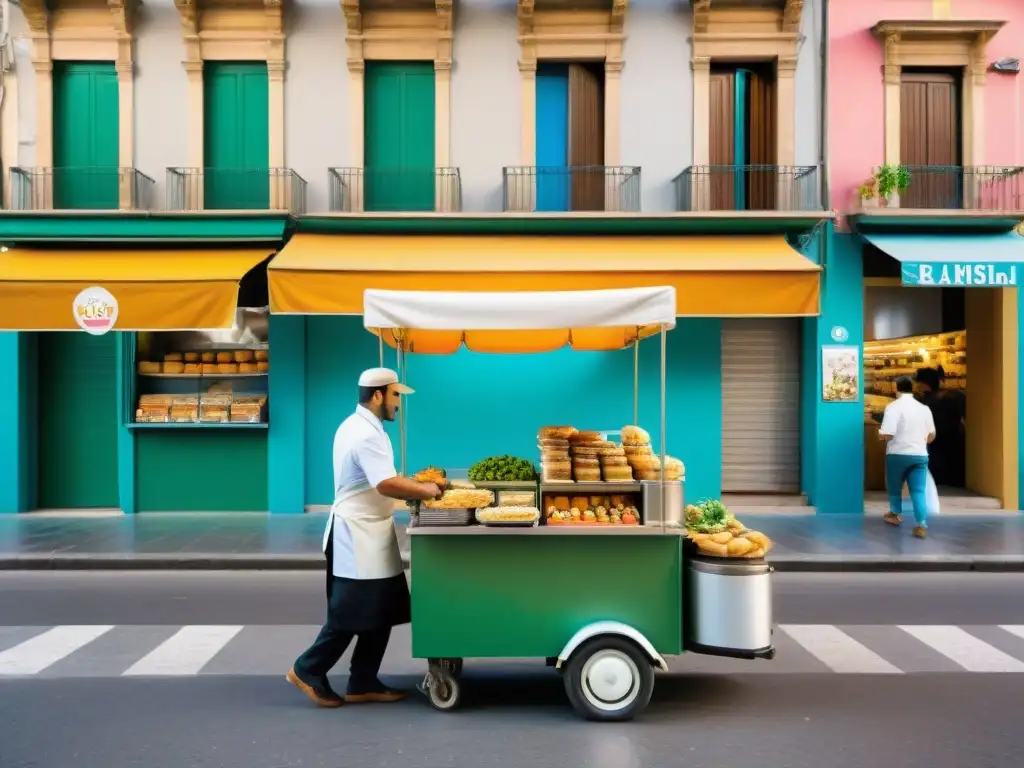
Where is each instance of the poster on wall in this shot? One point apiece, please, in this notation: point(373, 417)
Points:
point(840, 374)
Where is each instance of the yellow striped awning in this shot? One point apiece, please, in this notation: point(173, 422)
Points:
point(155, 290)
point(716, 276)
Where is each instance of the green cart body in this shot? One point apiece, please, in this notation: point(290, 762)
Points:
point(553, 593)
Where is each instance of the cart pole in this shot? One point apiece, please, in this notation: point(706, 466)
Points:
point(380, 347)
point(636, 378)
point(664, 417)
point(402, 363)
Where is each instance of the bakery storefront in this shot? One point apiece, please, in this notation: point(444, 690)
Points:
point(141, 377)
point(943, 310)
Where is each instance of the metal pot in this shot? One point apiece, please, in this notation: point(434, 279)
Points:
point(728, 607)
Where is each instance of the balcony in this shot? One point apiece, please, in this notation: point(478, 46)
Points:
point(748, 188)
point(964, 188)
point(572, 188)
point(402, 190)
point(235, 189)
point(87, 188)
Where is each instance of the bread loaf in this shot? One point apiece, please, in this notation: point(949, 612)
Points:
point(147, 367)
point(559, 433)
point(191, 357)
point(633, 435)
point(172, 357)
point(227, 367)
point(172, 367)
point(208, 357)
point(243, 356)
point(247, 367)
point(193, 369)
point(225, 357)
point(263, 367)
point(261, 356)
point(585, 437)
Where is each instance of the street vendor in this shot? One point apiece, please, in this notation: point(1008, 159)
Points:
point(367, 593)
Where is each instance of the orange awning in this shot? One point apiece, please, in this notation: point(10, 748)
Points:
point(155, 290)
point(723, 276)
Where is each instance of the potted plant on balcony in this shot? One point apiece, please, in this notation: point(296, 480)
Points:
point(868, 193)
point(892, 182)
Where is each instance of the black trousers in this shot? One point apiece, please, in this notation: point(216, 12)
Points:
point(343, 624)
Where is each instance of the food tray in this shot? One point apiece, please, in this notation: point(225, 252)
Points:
point(506, 523)
point(433, 517)
point(589, 524)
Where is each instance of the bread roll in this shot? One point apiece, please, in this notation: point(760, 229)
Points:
point(585, 461)
point(708, 547)
point(553, 442)
point(587, 474)
point(173, 367)
point(225, 357)
point(561, 503)
point(649, 475)
point(209, 368)
point(634, 435)
point(263, 367)
point(247, 367)
point(643, 462)
point(617, 473)
point(560, 433)
point(208, 357)
point(262, 356)
point(759, 540)
point(227, 367)
point(739, 547)
point(614, 461)
point(243, 356)
point(721, 538)
point(584, 437)
point(636, 450)
point(172, 357)
point(148, 367)
point(191, 357)
point(193, 369)
point(581, 450)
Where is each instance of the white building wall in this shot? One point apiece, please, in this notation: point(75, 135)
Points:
point(656, 122)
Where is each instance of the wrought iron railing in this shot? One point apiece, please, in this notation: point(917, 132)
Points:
point(572, 188)
point(85, 188)
point(357, 190)
point(257, 189)
point(966, 188)
point(748, 188)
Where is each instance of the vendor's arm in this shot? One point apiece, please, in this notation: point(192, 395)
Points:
point(888, 427)
point(379, 467)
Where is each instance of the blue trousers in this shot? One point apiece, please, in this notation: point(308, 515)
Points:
point(912, 470)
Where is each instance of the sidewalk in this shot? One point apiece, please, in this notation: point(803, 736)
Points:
point(292, 542)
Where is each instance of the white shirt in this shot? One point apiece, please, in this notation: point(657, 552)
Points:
point(909, 423)
point(363, 458)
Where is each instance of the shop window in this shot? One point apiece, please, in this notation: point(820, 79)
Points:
point(205, 378)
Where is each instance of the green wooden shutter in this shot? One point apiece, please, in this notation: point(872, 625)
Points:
point(399, 136)
point(85, 135)
point(78, 420)
point(236, 140)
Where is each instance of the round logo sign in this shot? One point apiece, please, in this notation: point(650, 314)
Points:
point(95, 310)
point(839, 333)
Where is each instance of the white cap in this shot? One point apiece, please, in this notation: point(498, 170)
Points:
point(382, 377)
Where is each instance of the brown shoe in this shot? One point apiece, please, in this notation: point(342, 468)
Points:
point(383, 696)
point(892, 519)
point(921, 532)
point(323, 695)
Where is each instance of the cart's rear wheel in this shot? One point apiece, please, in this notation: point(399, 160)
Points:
point(453, 665)
point(609, 678)
point(443, 689)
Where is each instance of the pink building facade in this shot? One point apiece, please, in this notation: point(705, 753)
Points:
point(925, 147)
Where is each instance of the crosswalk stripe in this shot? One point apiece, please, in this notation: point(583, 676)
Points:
point(36, 654)
point(965, 649)
point(186, 652)
point(840, 652)
point(1013, 629)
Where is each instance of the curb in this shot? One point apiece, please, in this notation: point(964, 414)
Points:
point(307, 562)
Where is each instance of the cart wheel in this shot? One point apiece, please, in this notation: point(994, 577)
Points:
point(453, 665)
point(609, 678)
point(443, 690)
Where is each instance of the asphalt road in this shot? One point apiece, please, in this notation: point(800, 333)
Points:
point(793, 712)
point(264, 597)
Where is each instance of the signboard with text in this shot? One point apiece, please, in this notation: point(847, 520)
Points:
point(979, 274)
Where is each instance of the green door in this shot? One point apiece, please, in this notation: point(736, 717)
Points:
point(85, 135)
point(236, 139)
point(78, 421)
point(399, 136)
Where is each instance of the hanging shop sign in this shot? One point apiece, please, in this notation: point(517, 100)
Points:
point(979, 274)
point(840, 373)
point(95, 310)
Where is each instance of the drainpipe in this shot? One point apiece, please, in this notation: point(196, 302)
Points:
point(826, 169)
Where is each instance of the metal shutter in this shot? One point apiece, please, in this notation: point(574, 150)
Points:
point(761, 405)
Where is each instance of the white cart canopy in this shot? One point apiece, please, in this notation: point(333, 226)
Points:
point(435, 322)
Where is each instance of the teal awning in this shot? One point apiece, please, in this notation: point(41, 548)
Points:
point(981, 261)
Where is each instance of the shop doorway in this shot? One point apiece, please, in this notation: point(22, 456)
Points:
point(78, 421)
point(948, 340)
point(761, 407)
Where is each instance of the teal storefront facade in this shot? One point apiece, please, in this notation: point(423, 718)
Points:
point(468, 405)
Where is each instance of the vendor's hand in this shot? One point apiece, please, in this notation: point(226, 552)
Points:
point(433, 490)
point(442, 484)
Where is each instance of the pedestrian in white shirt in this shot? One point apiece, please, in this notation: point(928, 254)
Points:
point(908, 428)
point(367, 593)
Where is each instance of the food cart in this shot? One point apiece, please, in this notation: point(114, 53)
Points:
point(603, 604)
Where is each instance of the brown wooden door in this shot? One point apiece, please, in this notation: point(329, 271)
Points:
point(930, 136)
point(761, 183)
point(718, 189)
point(586, 137)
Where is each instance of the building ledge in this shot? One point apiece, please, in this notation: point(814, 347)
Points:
point(936, 221)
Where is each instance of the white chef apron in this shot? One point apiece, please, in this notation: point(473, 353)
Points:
point(367, 546)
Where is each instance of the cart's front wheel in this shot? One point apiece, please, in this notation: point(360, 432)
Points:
point(443, 688)
point(609, 678)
